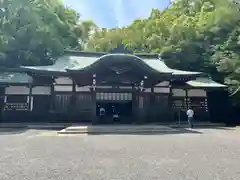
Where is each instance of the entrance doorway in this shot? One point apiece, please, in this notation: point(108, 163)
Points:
point(122, 109)
point(115, 103)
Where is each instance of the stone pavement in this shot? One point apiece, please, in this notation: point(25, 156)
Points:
point(121, 129)
point(211, 154)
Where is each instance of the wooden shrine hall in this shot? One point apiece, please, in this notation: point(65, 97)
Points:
point(140, 86)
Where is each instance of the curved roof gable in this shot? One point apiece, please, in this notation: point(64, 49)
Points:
point(109, 58)
point(160, 66)
point(84, 61)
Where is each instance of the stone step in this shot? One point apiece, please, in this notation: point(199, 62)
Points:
point(116, 129)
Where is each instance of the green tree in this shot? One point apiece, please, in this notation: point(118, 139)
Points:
point(34, 32)
point(186, 33)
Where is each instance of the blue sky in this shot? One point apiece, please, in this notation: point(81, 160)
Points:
point(115, 13)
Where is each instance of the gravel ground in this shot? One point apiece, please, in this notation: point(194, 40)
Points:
point(41, 155)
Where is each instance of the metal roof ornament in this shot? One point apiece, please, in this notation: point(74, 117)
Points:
point(120, 70)
point(160, 57)
point(121, 49)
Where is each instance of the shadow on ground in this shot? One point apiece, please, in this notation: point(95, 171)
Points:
point(47, 128)
point(174, 132)
point(217, 128)
point(12, 131)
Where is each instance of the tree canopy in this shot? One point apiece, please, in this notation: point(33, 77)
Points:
point(198, 35)
point(34, 32)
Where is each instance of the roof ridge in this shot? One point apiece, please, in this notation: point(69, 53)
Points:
point(99, 54)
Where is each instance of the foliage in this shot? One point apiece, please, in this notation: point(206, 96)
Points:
point(34, 32)
point(198, 35)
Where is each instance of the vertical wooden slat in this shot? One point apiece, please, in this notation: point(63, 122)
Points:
point(170, 99)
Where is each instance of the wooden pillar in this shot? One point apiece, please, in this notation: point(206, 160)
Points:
point(151, 110)
point(52, 96)
point(73, 101)
point(93, 99)
point(30, 98)
point(206, 106)
point(188, 103)
point(170, 103)
point(141, 104)
point(134, 103)
point(73, 96)
point(4, 105)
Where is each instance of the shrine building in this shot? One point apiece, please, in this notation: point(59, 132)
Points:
point(140, 86)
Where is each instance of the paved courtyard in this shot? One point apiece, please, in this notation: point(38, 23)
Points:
point(210, 154)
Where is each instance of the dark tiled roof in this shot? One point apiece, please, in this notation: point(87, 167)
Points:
point(75, 61)
point(13, 77)
point(205, 83)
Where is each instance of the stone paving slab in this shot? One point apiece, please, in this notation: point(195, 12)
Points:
point(41, 155)
point(117, 129)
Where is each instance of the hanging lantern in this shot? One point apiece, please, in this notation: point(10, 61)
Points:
point(141, 85)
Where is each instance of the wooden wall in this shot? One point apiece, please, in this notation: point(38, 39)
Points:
point(65, 101)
